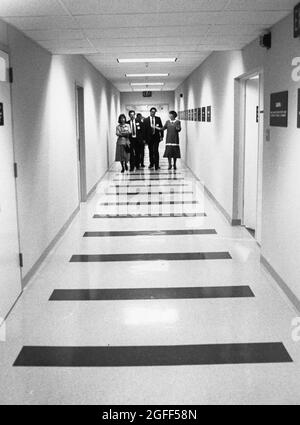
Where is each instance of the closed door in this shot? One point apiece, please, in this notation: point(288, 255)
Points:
point(251, 153)
point(10, 275)
point(81, 144)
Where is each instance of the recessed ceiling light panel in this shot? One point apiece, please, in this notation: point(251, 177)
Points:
point(147, 60)
point(146, 75)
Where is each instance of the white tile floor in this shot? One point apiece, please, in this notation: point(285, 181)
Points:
point(265, 318)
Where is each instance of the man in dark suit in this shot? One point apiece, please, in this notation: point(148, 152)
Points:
point(154, 135)
point(137, 138)
point(140, 119)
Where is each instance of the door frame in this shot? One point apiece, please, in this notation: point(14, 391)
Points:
point(239, 149)
point(80, 142)
point(6, 51)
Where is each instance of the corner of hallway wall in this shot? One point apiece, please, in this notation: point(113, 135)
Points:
point(43, 101)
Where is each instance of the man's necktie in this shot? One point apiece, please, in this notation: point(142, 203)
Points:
point(133, 129)
point(153, 125)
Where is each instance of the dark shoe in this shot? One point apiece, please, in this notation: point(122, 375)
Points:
point(126, 167)
point(143, 166)
point(123, 170)
point(170, 168)
point(175, 168)
point(151, 167)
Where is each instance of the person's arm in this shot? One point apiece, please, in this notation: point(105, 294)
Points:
point(165, 126)
point(161, 130)
point(118, 131)
point(178, 126)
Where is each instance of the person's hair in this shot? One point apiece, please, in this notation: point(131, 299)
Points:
point(120, 118)
point(153, 109)
point(174, 113)
point(131, 112)
point(139, 115)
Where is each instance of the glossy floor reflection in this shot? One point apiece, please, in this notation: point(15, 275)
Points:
point(163, 303)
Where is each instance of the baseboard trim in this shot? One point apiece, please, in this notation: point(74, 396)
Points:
point(36, 266)
point(281, 283)
point(231, 221)
point(92, 191)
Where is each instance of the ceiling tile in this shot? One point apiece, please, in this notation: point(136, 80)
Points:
point(39, 35)
point(137, 32)
point(98, 7)
point(259, 5)
point(66, 44)
point(30, 8)
point(174, 19)
point(43, 23)
point(235, 29)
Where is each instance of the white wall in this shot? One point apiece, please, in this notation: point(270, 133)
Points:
point(210, 146)
point(281, 200)
point(43, 95)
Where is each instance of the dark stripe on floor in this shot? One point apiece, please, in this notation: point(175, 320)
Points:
point(149, 185)
point(180, 355)
point(154, 178)
point(146, 174)
point(186, 215)
point(170, 192)
point(177, 256)
point(110, 204)
point(150, 233)
point(151, 293)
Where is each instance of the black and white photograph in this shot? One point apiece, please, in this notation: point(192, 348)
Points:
point(149, 207)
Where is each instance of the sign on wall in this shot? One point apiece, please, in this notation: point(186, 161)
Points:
point(1, 114)
point(298, 110)
point(203, 114)
point(279, 109)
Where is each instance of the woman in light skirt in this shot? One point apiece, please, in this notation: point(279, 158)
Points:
point(123, 143)
point(173, 127)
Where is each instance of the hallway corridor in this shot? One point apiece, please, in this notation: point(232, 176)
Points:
point(100, 321)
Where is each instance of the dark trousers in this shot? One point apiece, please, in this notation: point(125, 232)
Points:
point(154, 153)
point(136, 153)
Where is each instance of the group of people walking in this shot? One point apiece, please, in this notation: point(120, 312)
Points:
point(135, 133)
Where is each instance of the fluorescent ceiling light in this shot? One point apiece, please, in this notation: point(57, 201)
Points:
point(142, 90)
point(145, 75)
point(147, 60)
point(147, 84)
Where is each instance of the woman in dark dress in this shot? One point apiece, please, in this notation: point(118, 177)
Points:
point(173, 127)
point(123, 143)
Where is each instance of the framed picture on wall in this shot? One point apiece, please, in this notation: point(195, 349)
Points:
point(195, 114)
point(209, 114)
point(203, 114)
point(199, 113)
